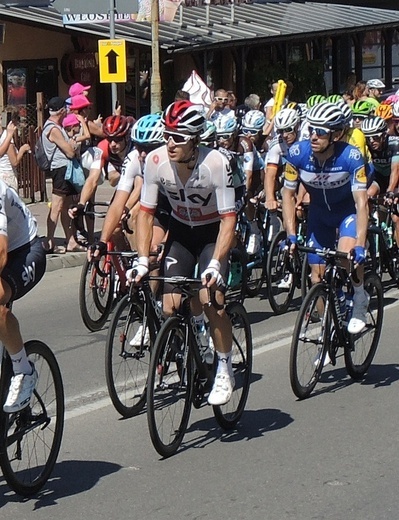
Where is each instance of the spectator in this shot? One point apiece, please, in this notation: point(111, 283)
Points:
point(80, 104)
point(219, 106)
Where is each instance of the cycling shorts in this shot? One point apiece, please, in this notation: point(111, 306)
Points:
point(185, 246)
point(322, 235)
point(25, 267)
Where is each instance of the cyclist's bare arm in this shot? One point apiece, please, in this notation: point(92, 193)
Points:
point(270, 186)
point(394, 177)
point(362, 214)
point(145, 222)
point(135, 195)
point(289, 210)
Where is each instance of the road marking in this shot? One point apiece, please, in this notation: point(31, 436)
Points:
point(262, 344)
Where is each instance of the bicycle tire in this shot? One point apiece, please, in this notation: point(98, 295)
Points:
point(309, 342)
point(276, 271)
point(96, 295)
point(229, 414)
point(170, 387)
point(306, 281)
point(126, 366)
point(256, 275)
point(28, 464)
point(362, 347)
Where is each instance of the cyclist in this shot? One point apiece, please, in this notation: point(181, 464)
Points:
point(199, 186)
point(374, 90)
point(22, 265)
point(287, 123)
point(394, 130)
point(360, 110)
point(334, 175)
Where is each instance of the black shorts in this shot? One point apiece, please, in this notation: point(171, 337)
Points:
point(25, 267)
point(61, 187)
point(185, 246)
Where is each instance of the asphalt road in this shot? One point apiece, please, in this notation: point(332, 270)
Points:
point(330, 457)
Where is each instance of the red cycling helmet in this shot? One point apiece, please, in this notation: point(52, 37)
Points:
point(184, 116)
point(117, 126)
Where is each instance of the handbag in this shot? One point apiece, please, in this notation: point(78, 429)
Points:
point(74, 175)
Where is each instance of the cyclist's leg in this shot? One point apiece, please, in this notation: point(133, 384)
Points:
point(24, 268)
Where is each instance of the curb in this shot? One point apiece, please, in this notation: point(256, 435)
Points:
point(55, 262)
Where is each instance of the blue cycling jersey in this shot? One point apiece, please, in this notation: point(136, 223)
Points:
point(330, 184)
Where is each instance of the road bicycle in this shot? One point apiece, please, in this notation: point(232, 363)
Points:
point(30, 439)
point(132, 331)
point(179, 375)
point(285, 270)
point(103, 282)
point(248, 269)
point(321, 326)
point(383, 253)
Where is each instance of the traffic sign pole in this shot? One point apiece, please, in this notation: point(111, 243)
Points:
point(114, 91)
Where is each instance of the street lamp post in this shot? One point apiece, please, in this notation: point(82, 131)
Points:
point(156, 105)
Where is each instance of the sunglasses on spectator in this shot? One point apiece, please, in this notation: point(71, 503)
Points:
point(223, 137)
point(320, 132)
point(225, 99)
point(116, 139)
point(288, 130)
point(177, 138)
point(146, 148)
point(376, 137)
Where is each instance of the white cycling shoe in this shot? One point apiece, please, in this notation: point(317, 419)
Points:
point(136, 340)
point(222, 390)
point(359, 315)
point(20, 392)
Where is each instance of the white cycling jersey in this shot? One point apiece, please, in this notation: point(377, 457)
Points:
point(16, 221)
point(207, 195)
point(131, 168)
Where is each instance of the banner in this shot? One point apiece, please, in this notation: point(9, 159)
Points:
point(200, 94)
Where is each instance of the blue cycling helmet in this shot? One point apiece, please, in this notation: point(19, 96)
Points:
point(148, 130)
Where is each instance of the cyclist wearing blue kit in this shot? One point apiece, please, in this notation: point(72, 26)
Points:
point(334, 174)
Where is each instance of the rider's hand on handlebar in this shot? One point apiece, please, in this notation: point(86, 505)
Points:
point(271, 204)
point(75, 210)
point(358, 254)
point(212, 271)
point(289, 243)
point(139, 269)
point(97, 250)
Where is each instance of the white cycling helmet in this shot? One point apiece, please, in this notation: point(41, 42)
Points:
point(375, 83)
point(226, 125)
point(374, 125)
point(326, 115)
point(253, 120)
point(209, 135)
point(346, 110)
point(286, 118)
point(395, 109)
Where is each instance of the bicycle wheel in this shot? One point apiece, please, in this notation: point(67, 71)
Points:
point(170, 387)
point(256, 268)
point(127, 358)
point(96, 294)
point(229, 414)
point(310, 341)
point(31, 438)
point(280, 276)
point(362, 347)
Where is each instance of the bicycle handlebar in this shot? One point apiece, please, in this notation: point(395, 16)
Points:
point(332, 253)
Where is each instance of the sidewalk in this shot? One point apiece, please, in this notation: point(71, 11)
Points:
point(40, 211)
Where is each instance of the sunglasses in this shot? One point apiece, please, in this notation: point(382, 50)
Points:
point(320, 132)
point(177, 138)
point(250, 131)
point(225, 99)
point(116, 139)
point(289, 130)
point(146, 148)
point(359, 118)
point(376, 137)
point(224, 137)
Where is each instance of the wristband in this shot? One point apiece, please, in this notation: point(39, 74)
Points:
point(292, 238)
point(214, 264)
point(143, 260)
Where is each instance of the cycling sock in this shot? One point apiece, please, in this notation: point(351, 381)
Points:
point(224, 363)
point(358, 291)
point(200, 319)
point(20, 363)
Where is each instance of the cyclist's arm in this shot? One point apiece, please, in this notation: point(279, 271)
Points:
point(289, 210)
point(362, 214)
point(270, 186)
point(394, 177)
point(90, 185)
point(145, 221)
point(113, 215)
point(135, 194)
point(224, 240)
point(3, 251)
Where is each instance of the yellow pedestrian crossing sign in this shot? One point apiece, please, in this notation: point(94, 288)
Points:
point(112, 61)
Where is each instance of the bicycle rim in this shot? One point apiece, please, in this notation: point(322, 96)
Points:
point(126, 364)
point(360, 352)
point(229, 414)
point(256, 275)
point(309, 342)
point(95, 295)
point(280, 279)
point(33, 436)
point(170, 388)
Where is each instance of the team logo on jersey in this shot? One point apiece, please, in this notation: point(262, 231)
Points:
point(155, 158)
point(294, 150)
point(355, 154)
point(290, 173)
point(361, 175)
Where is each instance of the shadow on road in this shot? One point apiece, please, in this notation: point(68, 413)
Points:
point(70, 477)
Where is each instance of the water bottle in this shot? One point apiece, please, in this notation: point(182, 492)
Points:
point(341, 301)
point(235, 274)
